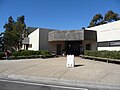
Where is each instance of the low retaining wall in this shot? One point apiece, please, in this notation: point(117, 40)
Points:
point(108, 60)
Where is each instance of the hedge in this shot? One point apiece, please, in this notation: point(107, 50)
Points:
point(28, 53)
point(103, 54)
point(31, 54)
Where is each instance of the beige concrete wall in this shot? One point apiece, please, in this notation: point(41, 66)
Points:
point(53, 46)
point(93, 44)
point(34, 40)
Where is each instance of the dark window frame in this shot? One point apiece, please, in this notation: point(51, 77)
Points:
point(103, 44)
point(109, 43)
point(114, 43)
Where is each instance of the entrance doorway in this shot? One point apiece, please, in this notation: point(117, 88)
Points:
point(87, 46)
point(74, 46)
point(58, 49)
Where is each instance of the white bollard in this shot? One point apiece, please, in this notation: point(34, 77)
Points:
point(70, 61)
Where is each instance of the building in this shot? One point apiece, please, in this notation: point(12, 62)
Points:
point(108, 36)
point(60, 41)
point(102, 37)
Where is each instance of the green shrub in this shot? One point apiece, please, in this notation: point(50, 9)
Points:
point(21, 53)
point(45, 53)
point(36, 52)
point(104, 54)
point(30, 54)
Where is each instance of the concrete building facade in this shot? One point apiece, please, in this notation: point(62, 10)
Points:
point(38, 38)
point(108, 36)
point(102, 37)
point(59, 41)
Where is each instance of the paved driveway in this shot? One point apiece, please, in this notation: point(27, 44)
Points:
point(55, 68)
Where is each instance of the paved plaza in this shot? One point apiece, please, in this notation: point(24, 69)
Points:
point(54, 69)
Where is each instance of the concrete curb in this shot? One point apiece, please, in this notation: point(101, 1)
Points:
point(108, 60)
point(62, 82)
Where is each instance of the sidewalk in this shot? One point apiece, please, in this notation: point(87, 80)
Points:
point(54, 71)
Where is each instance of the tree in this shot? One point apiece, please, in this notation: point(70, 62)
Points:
point(8, 36)
point(99, 20)
point(9, 25)
point(13, 33)
point(21, 28)
point(1, 42)
point(96, 20)
point(111, 16)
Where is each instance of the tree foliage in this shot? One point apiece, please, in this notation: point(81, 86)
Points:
point(13, 33)
point(111, 16)
point(1, 42)
point(98, 19)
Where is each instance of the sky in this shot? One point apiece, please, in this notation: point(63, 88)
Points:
point(56, 14)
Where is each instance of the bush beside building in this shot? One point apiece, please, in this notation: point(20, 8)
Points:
point(103, 54)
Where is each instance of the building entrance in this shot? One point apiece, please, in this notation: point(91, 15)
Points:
point(73, 47)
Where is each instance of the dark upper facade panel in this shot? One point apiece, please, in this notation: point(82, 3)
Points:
point(72, 35)
point(90, 35)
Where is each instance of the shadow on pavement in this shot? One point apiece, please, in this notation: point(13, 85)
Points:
point(79, 65)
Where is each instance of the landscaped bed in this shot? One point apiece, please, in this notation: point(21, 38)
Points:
point(27, 54)
point(106, 56)
point(103, 54)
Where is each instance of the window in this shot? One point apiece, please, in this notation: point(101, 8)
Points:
point(109, 43)
point(103, 44)
point(115, 43)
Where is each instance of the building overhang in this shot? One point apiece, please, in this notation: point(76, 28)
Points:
point(72, 35)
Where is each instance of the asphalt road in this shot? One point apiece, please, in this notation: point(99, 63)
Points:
point(17, 85)
point(20, 85)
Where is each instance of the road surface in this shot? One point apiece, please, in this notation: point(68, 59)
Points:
point(21, 85)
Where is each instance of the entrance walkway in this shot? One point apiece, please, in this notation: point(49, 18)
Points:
point(55, 69)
